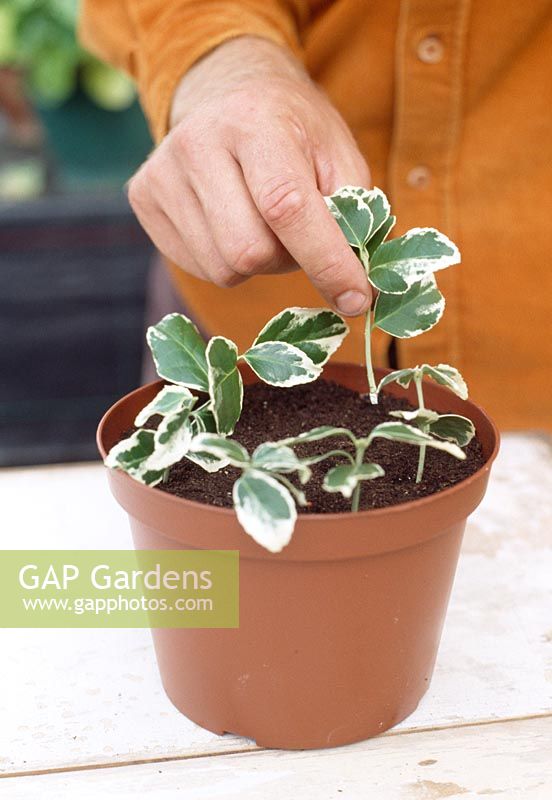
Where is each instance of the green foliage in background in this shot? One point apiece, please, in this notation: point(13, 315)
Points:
point(39, 36)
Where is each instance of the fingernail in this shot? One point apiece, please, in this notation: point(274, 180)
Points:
point(351, 302)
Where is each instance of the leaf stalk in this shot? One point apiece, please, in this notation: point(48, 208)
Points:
point(421, 406)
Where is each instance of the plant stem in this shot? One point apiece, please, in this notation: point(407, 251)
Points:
point(423, 448)
point(421, 462)
point(368, 352)
point(419, 392)
point(329, 454)
point(356, 499)
point(297, 493)
point(355, 502)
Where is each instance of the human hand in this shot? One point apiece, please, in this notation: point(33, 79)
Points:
point(236, 187)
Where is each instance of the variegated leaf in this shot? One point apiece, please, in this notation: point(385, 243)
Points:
point(453, 428)
point(318, 332)
point(317, 434)
point(131, 455)
point(281, 364)
point(421, 417)
point(412, 313)
point(443, 374)
point(345, 477)
point(399, 263)
point(132, 452)
point(172, 440)
point(352, 214)
point(400, 376)
point(277, 457)
point(265, 509)
point(179, 352)
point(447, 376)
point(407, 434)
point(151, 477)
point(221, 448)
point(168, 401)
point(378, 204)
point(363, 216)
point(204, 421)
point(380, 235)
point(225, 383)
point(207, 461)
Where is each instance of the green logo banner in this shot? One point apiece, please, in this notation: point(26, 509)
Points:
point(119, 589)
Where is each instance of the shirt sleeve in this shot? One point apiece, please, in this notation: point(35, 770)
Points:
point(157, 41)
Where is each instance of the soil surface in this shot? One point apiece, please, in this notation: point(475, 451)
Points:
point(271, 413)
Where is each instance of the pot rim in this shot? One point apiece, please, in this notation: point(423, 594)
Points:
point(369, 513)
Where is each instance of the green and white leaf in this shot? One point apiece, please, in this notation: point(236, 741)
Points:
point(363, 215)
point(225, 383)
point(345, 477)
point(379, 206)
point(352, 214)
point(179, 352)
point(131, 455)
point(318, 332)
point(204, 421)
point(151, 477)
point(277, 457)
point(447, 376)
point(380, 236)
point(221, 448)
point(169, 400)
point(443, 374)
point(421, 417)
point(398, 264)
point(265, 509)
point(281, 364)
point(453, 428)
point(407, 434)
point(207, 461)
point(400, 376)
point(318, 434)
point(412, 313)
point(172, 441)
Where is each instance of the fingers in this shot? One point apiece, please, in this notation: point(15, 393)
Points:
point(283, 185)
point(225, 211)
point(179, 229)
point(244, 240)
point(343, 166)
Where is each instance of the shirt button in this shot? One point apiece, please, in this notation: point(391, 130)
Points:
point(430, 49)
point(419, 177)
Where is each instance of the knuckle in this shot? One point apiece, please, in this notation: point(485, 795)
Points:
point(156, 181)
point(183, 136)
point(188, 141)
point(224, 278)
point(135, 193)
point(283, 203)
point(253, 258)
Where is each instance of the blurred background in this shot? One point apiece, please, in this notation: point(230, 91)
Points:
point(73, 260)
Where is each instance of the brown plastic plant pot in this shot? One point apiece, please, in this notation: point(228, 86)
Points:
point(339, 632)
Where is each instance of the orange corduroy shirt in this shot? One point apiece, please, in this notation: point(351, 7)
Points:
point(451, 103)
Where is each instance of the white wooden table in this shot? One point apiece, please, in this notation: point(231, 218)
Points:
point(83, 714)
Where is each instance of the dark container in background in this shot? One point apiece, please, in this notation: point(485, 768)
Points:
point(73, 271)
